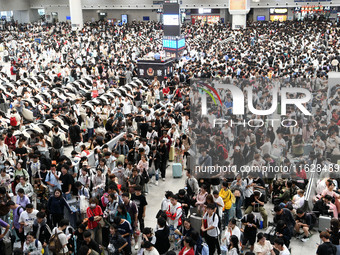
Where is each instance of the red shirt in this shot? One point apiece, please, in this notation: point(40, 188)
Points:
point(189, 252)
point(12, 71)
point(302, 174)
point(166, 91)
point(93, 212)
point(178, 93)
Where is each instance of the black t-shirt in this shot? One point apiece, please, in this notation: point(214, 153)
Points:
point(250, 231)
point(109, 126)
point(305, 219)
point(138, 96)
point(20, 151)
point(326, 249)
point(130, 144)
point(143, 129)
point(42, 175)
point(140, 201)
point(252, 199)
point(92, 245)
point(259, 182)
point(66, 180)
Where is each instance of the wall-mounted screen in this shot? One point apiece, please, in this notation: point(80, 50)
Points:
point(146, 18)
point(204, 11)
point(261, 18)
point(124, 18)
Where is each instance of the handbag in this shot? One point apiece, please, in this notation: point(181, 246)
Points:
point(101, 223)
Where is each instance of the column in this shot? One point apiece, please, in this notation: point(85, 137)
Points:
point(239, 21)
point(76, 12)
point(239, 10)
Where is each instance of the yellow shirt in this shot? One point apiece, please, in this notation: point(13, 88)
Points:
point(227, 197)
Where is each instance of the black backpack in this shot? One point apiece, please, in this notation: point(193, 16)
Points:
point(57, 143)
point(219, 221)
point(314, 217)
point(36, 112)
point(145, 177)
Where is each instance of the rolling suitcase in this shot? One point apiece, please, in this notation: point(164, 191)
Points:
point(191, 163)
point(172, 153)
point(270, 234)
point(7, 246)
point(176, 170)
point(324, 223)
point(196, 222)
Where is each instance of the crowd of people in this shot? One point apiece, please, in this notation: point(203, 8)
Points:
point(77, 83)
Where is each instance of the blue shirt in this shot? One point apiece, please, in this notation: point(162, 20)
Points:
point(51, 178)
point(157, 56)
point(229, 105)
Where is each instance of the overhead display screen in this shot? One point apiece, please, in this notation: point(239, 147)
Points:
point(170, 44)
point(171, 19)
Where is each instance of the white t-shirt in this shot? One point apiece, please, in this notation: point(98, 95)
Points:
point(165, 204)
point(28, 218)
point(219, 200)
point(152, 252)
point(62, 238)
point(265, 249)
point(212, 221)
point(285, 251)
point(234, 232)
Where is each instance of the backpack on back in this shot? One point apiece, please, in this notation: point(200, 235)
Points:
point(141, 180)
point(225, 151)
point(145, 177)
point(13, 121)
point(55, 245)
point(219, 221)
point(57, 143)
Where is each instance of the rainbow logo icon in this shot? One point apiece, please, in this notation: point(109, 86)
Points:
point(209, 93)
